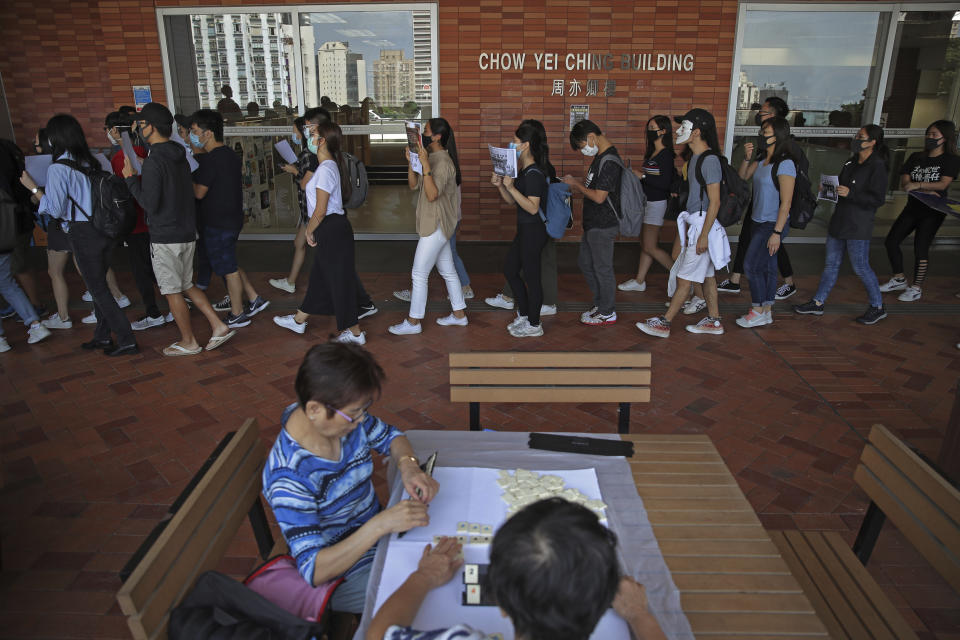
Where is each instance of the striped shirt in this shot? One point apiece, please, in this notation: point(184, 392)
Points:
point(320, 502)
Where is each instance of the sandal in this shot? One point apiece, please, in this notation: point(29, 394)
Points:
point(177, 349)
point(216, 341)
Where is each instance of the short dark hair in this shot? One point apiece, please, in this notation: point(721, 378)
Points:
point(209, 120)
point(553, 570)
point(580, 132)
point(227, 91)
point(127, 109)
point(778, 105)
point(336, 375)
point(316, 115)
point(118, 119)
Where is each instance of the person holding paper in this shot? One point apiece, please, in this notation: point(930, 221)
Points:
point(317, 478)
point(553, 571)
point(862, 190)
point(437, 212)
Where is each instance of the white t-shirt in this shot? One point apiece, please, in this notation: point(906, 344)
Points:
point(326, 177)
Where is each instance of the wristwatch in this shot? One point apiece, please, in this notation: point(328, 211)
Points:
point(35, 190)
point(778, 232)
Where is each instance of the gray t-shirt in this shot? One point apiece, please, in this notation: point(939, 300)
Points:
point(712, 174)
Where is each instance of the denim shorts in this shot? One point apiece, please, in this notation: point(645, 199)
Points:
point(220, 247)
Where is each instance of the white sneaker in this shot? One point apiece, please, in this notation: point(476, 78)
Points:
point(910, 294)
point(468, 293)
point(754, 318)
point(147, 322)
point(90, 319)
point(586, 314)
point(169, 317)
point(499, 301)
point(707, 325)
point(453, 321)
point(283, 284)
point(287, 322)
point(518, 321)
point(403, 294)
point(695, 305)
point(36, 333)
point(54, 322)
point(632, 285)
point(123, 302)
point(4, 345)
point(87, 296)
point(347, 337)
point(527, 330)
point(405, 328)
point(894, 284)
point(548, 310)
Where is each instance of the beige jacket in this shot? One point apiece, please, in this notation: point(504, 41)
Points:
point(444, 211)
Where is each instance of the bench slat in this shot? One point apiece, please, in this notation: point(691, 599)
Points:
point(575, 377)
point(773, 602)
point(704, 625)
point(551, 359)
point(549, 394)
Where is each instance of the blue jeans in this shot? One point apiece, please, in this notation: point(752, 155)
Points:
point(457, 262)
point(859, 252)
point(760, 266)
point(13, 294)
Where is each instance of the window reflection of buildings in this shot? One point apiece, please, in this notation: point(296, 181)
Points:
point(393, 78)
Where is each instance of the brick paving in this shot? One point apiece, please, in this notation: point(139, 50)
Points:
point(94, 449)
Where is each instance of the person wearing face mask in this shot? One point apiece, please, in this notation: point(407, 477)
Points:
point(931, 171)
point(774, 107)
point(437, 212)
point(217, 185)
point(862, 190)
point(657, 174)
point(527, 191)
point(601, 201)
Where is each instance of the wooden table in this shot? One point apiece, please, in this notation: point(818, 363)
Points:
point(733, 582)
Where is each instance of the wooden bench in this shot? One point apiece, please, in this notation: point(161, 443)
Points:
point(922, 504)
point(195, 534)
point(554, 377)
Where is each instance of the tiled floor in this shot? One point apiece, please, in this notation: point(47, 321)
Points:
point(93, 450)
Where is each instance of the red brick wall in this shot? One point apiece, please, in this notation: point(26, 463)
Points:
point(83, 56)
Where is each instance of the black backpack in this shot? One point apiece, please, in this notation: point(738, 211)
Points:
point(804, 203)
point(114, 212)
point(735, 195)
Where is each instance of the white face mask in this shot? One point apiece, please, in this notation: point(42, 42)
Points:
point(112, 139)
point(683, 133)
point(590, 151)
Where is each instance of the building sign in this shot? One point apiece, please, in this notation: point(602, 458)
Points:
point(579, 112)
point(541, 61)
point(141, 96)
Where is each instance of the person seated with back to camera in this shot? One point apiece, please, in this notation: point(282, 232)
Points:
point(553, 571)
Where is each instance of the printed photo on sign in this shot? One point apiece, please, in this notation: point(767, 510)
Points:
point(413, 136)
point(828, 188)
point(504, 161)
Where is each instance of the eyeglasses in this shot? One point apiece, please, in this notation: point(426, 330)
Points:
point(351, 419)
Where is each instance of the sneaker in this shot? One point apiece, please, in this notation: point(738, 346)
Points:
point(810, 308)
point(453, 321)
point(8, 312)
point(287, 322)
point(365, 312)
point(586, 315)
point(468, 293)
point(36, 333)
point(873, 315)
point(223, 305)
point(910, 294)
point(785, 291)
point(87, 296)
point(283, 284)
point(894, 284)
point(728, 286)
point(548, 310)
point(755, 318)
point(707, 325)
point(168, 317)
point(405, 328)
point(657, 327)
point(235, 322)
point(256, 306)
point(90, 319)
point(499, 301)
point(147, 322)
point(632, 285)
point(527, 330)
point(123, 302)
point(403, 294)
point(518, 321)
point(4, 345)
point(55, 322)
point(348, 338)
point(598, 319)
point(695, 305)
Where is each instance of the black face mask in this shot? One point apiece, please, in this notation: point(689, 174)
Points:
point(857, 145)
point(758, 119)
point(929, 144)
point(762, 142)
point(427, 140)
point(652, 136)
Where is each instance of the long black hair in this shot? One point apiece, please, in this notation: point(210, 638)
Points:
point(875, 133)
point(949, 132)
point(440, 127)
point(531, 134)
point(44, 142)
point(663, 122)
point(545, 147)
point(66, 136)
point(333, 135)
point(781, 132)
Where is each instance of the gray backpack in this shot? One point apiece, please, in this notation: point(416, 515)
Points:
point(358, 182)
point(633, 201)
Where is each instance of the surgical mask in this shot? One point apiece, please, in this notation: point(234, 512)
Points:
point(112, 139)
point(195, 140)
point(684, 132)
point(590, 151)
point(857, 145)
point(312, 146)
point(929, 144)
point(513, 145)
point(296, 139)
point(758, 119)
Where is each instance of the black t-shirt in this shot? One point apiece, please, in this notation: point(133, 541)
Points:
point(601, 215)
point(220, 171)
point(922, 168)
point(531, 182)
point(658, 175)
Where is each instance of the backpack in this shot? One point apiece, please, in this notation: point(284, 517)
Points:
point(16, 217)
point(735, 195)
point(556, 212)
point(633, 200)
point(804, 203)
point(358, 182)
point(9, 216)
point(114, 213)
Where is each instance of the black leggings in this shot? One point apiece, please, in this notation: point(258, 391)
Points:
point(524, 255)
point(746, 232)
point(334, 285)
point(918, 218)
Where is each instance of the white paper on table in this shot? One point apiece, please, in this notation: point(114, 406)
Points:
point(175, 136)
point(504, 161)
point(828, 188)
point(286, 151)
point(104, 163)
point(37, 167)
point(415, 163)
point(128, 151)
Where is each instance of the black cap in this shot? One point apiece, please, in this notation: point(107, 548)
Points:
point(700, 118)
point(155, 113)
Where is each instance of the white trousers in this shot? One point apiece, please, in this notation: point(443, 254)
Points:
point(434, 250)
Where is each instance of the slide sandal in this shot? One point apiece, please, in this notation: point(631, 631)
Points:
point(216, 341)
point(176, 349)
